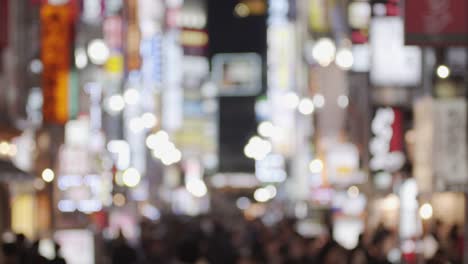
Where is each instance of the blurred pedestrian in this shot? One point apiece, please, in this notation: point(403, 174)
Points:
point(58, 259)
point(122, 252)
point(34, 255)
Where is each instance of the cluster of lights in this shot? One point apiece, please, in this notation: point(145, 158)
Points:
point(7, 149)
point(146, 121)
point(307, 106)
point(257, 148)
point(265, 194)
point(325, 52)
point(163, 149)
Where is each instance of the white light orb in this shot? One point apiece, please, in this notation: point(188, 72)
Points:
point(343, 101)
point(316, 166)
point(157, 140)
point(149, 120)
point(443, 71)
point(324, 51)
point(261, 195)
point(131, 177)
point(115, 103)
point(266, 129)
point(36, 66)
point(344, 59)
point(132, 96)
point(319, 100)
point(81, 59)
point(426, 211)
point(98, 52)
point(306, 106)
point(48, 175)
point(196, 187)
point(291, 100)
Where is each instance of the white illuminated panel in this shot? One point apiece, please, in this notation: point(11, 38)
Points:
point(392, 62)
point(172, 112)
point(74, 241)
point(238, 74)
point(77, 132)
point(343, 164)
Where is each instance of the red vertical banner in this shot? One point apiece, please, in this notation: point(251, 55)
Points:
point(3, 24)
point(436, 23)
point(397, 141)
point(56, 36)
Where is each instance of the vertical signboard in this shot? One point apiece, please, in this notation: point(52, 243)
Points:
point(442, 22)
point(133, 37)
point(450, 141)
point(56, 21)
point(423, 148)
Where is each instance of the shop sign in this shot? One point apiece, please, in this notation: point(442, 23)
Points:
point(56, 36)
point(133, 37)
point(436, 23)
point(172, 112)
point(450, 153)
point(343, 164)
point(238, 74)
point(387, 145)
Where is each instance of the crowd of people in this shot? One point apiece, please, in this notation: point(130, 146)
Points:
point(210, 240)
point(206, 240)
point(18, 250)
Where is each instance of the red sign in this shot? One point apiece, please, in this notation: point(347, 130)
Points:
point(436, 22)
point(56, 34)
